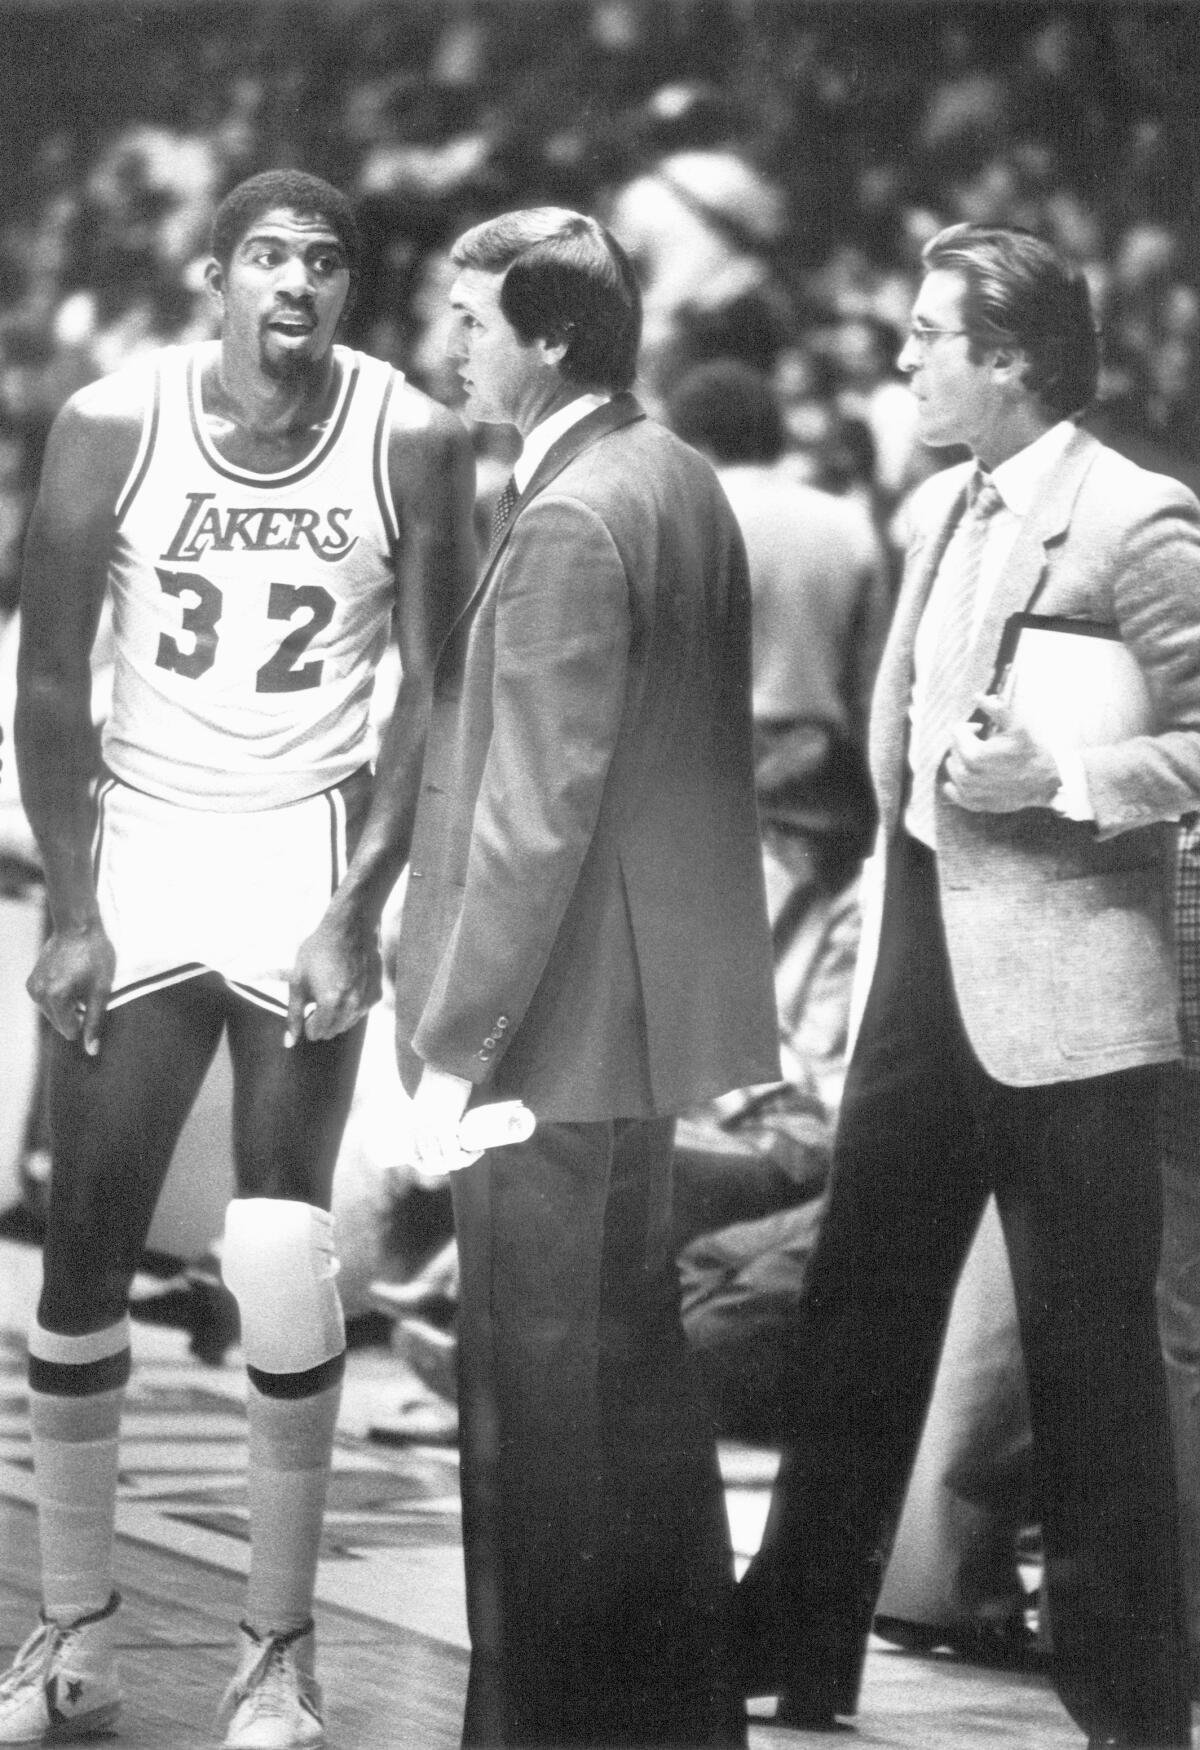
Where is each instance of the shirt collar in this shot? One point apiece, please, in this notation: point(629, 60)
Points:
point(1021, 477)
point(544, 436)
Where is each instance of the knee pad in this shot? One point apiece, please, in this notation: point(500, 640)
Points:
point(278, 1262)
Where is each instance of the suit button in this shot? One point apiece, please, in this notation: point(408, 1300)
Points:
point(501, 1022)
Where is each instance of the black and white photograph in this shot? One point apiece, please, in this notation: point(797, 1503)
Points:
point(600, 874)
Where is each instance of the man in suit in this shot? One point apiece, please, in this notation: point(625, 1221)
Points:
point(1022, 1005)
point(584, 928)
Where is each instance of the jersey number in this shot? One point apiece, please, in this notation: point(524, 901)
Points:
point(283, 672)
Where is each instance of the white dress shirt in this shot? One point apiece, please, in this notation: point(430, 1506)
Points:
point(1018, 481)
point(544, 436)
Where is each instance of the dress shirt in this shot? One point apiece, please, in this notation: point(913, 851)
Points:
point(1018, 481)
point(544, 436)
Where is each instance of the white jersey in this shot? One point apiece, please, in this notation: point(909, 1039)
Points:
point(249, 610)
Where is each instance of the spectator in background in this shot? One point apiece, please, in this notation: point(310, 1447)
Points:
point(703, 226)
point(753, 1166)
point(865, 349)
point(820, 606)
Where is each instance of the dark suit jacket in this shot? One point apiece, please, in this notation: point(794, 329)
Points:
point(1059, 931)
point(584, 924)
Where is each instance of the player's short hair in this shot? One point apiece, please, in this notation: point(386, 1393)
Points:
point(565, 279)
point(307, 195)
point(1019, 288)
point(728, 410)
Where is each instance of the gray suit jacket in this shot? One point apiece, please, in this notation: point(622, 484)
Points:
point(1059, 932)
point(585, 924)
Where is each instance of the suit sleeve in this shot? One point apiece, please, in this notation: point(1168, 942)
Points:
point(562, 639)
point(1156, 593)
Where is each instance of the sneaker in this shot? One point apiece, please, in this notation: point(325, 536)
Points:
point(63, 1682)
point(274, 1701)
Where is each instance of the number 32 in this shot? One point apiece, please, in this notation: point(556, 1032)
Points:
point(283, 672)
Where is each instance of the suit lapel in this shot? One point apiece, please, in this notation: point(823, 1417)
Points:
point(1015, 591)
point(1019, 584)
point(893, 688)
point(622, 410)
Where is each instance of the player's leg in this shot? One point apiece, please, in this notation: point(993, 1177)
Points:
point(114, 1122)
point(290, 1109)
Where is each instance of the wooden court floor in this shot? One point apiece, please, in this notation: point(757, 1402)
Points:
point(392, 1644)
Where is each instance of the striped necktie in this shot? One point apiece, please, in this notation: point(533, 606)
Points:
point(504, 507)
point(943, 706)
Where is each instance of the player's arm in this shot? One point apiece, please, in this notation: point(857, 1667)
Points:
point(89, 453)
point(432, 472)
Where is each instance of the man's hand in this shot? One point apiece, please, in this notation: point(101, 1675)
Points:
point(336, 976)
point(438, 1104)
point(71, 982)
point(999, 770)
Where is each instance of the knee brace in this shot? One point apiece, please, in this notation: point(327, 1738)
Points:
point(278, 1262)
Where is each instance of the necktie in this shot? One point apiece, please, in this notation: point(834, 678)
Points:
point(504, 507)
point(944, 706)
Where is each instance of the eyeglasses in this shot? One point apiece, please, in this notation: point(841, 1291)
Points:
point(923, 336)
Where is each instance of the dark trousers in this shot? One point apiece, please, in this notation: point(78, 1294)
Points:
point(596, 1546)
point(924, 1135)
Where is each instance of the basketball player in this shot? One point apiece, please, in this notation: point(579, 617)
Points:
point(262, 509)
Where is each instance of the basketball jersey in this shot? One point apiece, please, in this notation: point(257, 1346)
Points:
point(249, 610)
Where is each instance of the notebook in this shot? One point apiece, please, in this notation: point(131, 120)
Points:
point(1071, 683)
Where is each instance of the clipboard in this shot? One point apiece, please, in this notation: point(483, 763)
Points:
point(1071, 683)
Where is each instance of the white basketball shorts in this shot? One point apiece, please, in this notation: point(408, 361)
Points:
point(187, 891)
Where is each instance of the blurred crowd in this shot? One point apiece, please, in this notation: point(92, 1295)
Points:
point(774, 166)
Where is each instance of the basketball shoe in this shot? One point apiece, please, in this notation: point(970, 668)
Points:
point(274, 1701)
point(63, 1682)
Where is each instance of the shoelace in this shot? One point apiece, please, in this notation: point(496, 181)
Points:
point(264, 1687)
point(34, 1658)
point(266, 1692)
point(38, 1652)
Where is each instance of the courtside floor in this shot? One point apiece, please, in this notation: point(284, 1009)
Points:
point(391, 1626)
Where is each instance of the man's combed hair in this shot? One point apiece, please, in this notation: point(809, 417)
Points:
point(310, 196)
point(1020, 289)
point(566, 279)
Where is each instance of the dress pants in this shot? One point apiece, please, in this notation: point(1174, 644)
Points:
point(597, 1554)
point(925, 1134)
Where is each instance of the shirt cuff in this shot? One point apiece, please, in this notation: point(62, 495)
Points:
point(1072, 800)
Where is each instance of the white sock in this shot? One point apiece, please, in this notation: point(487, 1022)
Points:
point(75, 1456)
point(291, 1441)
